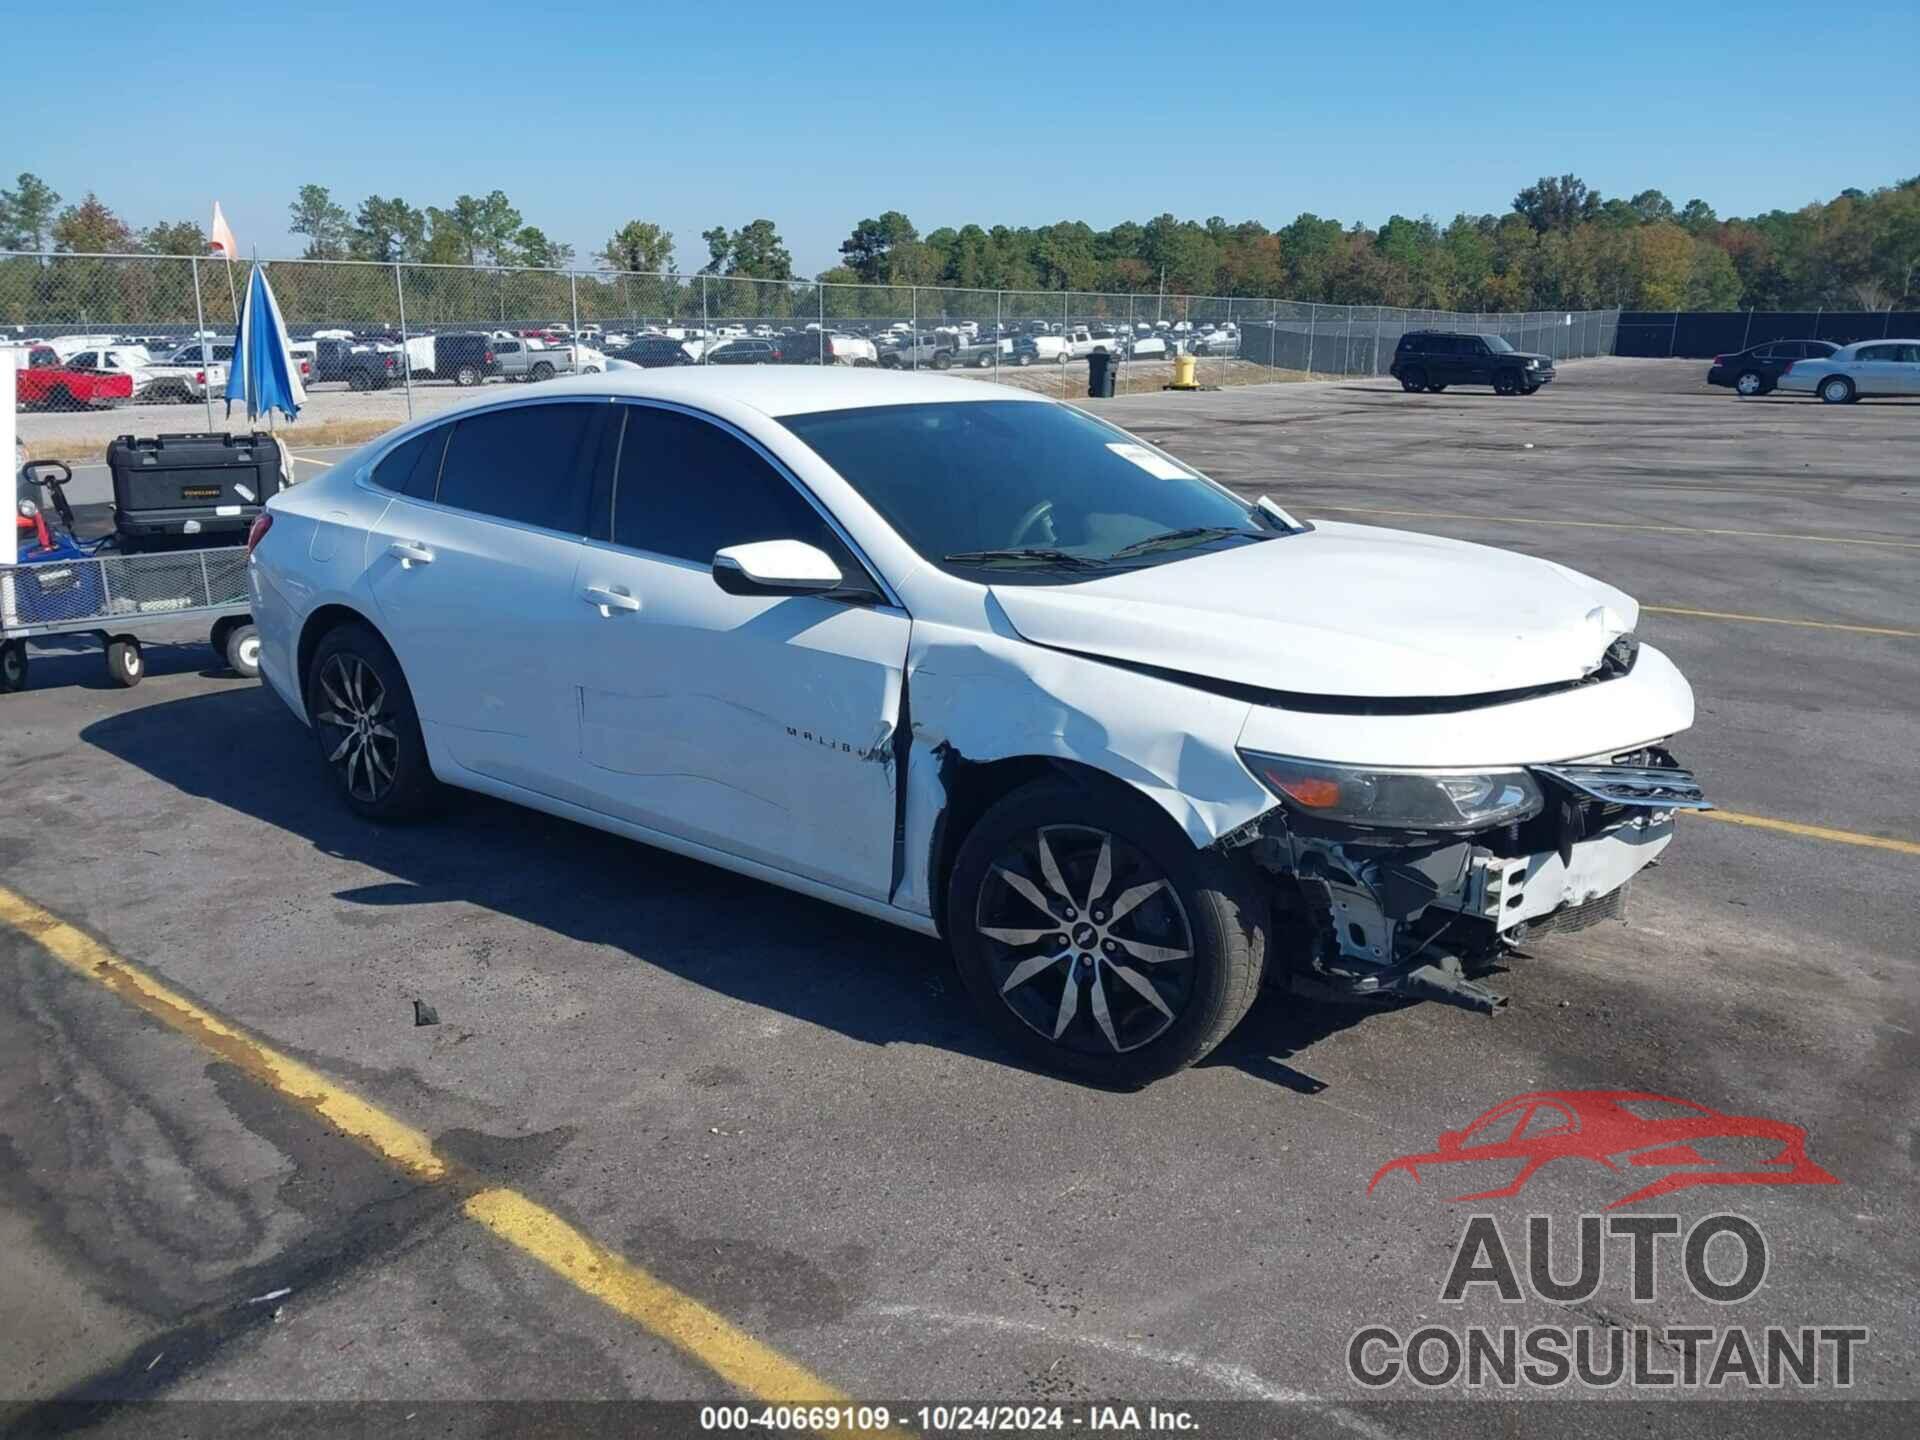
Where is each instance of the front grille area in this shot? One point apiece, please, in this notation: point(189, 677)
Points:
point(1569, 918)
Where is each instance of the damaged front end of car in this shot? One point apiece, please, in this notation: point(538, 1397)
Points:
point(1414, 884)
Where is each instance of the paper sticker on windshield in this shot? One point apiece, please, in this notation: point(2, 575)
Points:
point(1153, 464)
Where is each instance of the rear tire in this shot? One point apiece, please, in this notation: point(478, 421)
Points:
point(1433, 389)
point(1413, 380)
point(366, 726)
point(13, 666)
point(1838, 390)
point(467, 376)
point(360, 381)
point(126, 666)
point(1196, 937)
point(541, 372)
point(1749, 383)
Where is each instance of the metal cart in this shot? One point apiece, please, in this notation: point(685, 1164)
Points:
point(117, 597)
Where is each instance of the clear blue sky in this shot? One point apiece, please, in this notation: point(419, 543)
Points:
point(588, 115)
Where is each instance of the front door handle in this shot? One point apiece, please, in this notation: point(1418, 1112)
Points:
point(609, 600)
point(410, 552)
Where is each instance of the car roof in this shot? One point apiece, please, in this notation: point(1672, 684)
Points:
point(801, 390)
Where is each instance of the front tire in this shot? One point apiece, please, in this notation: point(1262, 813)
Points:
point(366, 726)
point(1749, 383)
point(1096, 940)
point(1837, 390)
point(1506, 383)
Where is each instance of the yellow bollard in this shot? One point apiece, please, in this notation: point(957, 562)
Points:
point(1183, 373)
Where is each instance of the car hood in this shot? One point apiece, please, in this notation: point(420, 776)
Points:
point(1340, 610)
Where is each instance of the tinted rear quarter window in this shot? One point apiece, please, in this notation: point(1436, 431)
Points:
point(413, 467)
point(528, 463)
point(687, 488)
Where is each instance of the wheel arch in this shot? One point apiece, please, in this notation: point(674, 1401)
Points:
point(325, 618)
point(987, 716)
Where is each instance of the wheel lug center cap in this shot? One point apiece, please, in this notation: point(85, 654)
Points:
point(1084, 936)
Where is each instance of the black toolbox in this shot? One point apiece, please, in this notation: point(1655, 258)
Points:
point(185, 491)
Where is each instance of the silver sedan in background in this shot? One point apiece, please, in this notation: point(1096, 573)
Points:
point(1853, 372)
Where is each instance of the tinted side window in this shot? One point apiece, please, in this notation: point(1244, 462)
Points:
point(1875, 352)
point(687, 488)
point(530, 463)
point(413, 468)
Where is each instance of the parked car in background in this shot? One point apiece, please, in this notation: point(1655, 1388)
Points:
point(1432, 360)
point(363, 364)
point(59, 386)
point(926, 352)
point(744, 351)
point(834, 348)
point(1757, 369)
point(1864, 370)
point(654, 352)
point(1073, 344)
point(532, 360)
point(975, 663)
point(465, 357)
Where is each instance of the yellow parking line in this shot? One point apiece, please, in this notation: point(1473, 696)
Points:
point(1776, 620)
point(1812, 832)
point(1310, 507)
point(309, 460)
point(680, 1320)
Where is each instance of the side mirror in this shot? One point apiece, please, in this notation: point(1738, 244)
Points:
point(775, 567)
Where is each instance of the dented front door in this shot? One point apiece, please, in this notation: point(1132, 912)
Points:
point(762, 726)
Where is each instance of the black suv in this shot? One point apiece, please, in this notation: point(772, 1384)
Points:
point(1435, 359)
point(654, 352)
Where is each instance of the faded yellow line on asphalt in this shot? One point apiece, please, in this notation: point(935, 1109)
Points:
point(1812, 832)
point(1776, 620)
point(391, 1139)
point(530, 1227)
point(309, 460)
point(1310, 507)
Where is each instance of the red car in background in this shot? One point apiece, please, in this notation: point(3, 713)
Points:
point(46, 384)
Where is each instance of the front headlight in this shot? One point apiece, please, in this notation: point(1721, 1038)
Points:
point(1398, 799)
point(1533, 364)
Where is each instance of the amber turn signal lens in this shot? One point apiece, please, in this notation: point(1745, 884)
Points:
point(1312, 791)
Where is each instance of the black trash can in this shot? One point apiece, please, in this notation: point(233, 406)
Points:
point(1100, 367)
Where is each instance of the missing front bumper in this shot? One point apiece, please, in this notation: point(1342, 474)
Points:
point(1379, 914)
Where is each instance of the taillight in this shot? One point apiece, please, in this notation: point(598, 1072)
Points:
point(1719, 359)
point(200, 377)
point(487, 357)
point(262, 523)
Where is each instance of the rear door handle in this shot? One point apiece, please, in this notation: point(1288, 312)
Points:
point(609, 600)
point(410, 552)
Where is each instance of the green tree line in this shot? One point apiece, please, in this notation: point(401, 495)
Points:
point(1561, 245)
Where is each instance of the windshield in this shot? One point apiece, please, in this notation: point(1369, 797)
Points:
point(1024, 488)
point(1498, 345)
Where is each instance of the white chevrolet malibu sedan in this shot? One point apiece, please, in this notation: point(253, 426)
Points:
point(984, 666)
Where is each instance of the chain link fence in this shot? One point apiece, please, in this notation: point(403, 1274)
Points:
point(104, 332)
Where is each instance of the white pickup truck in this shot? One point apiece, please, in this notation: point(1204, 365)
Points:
point(1075, 344)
